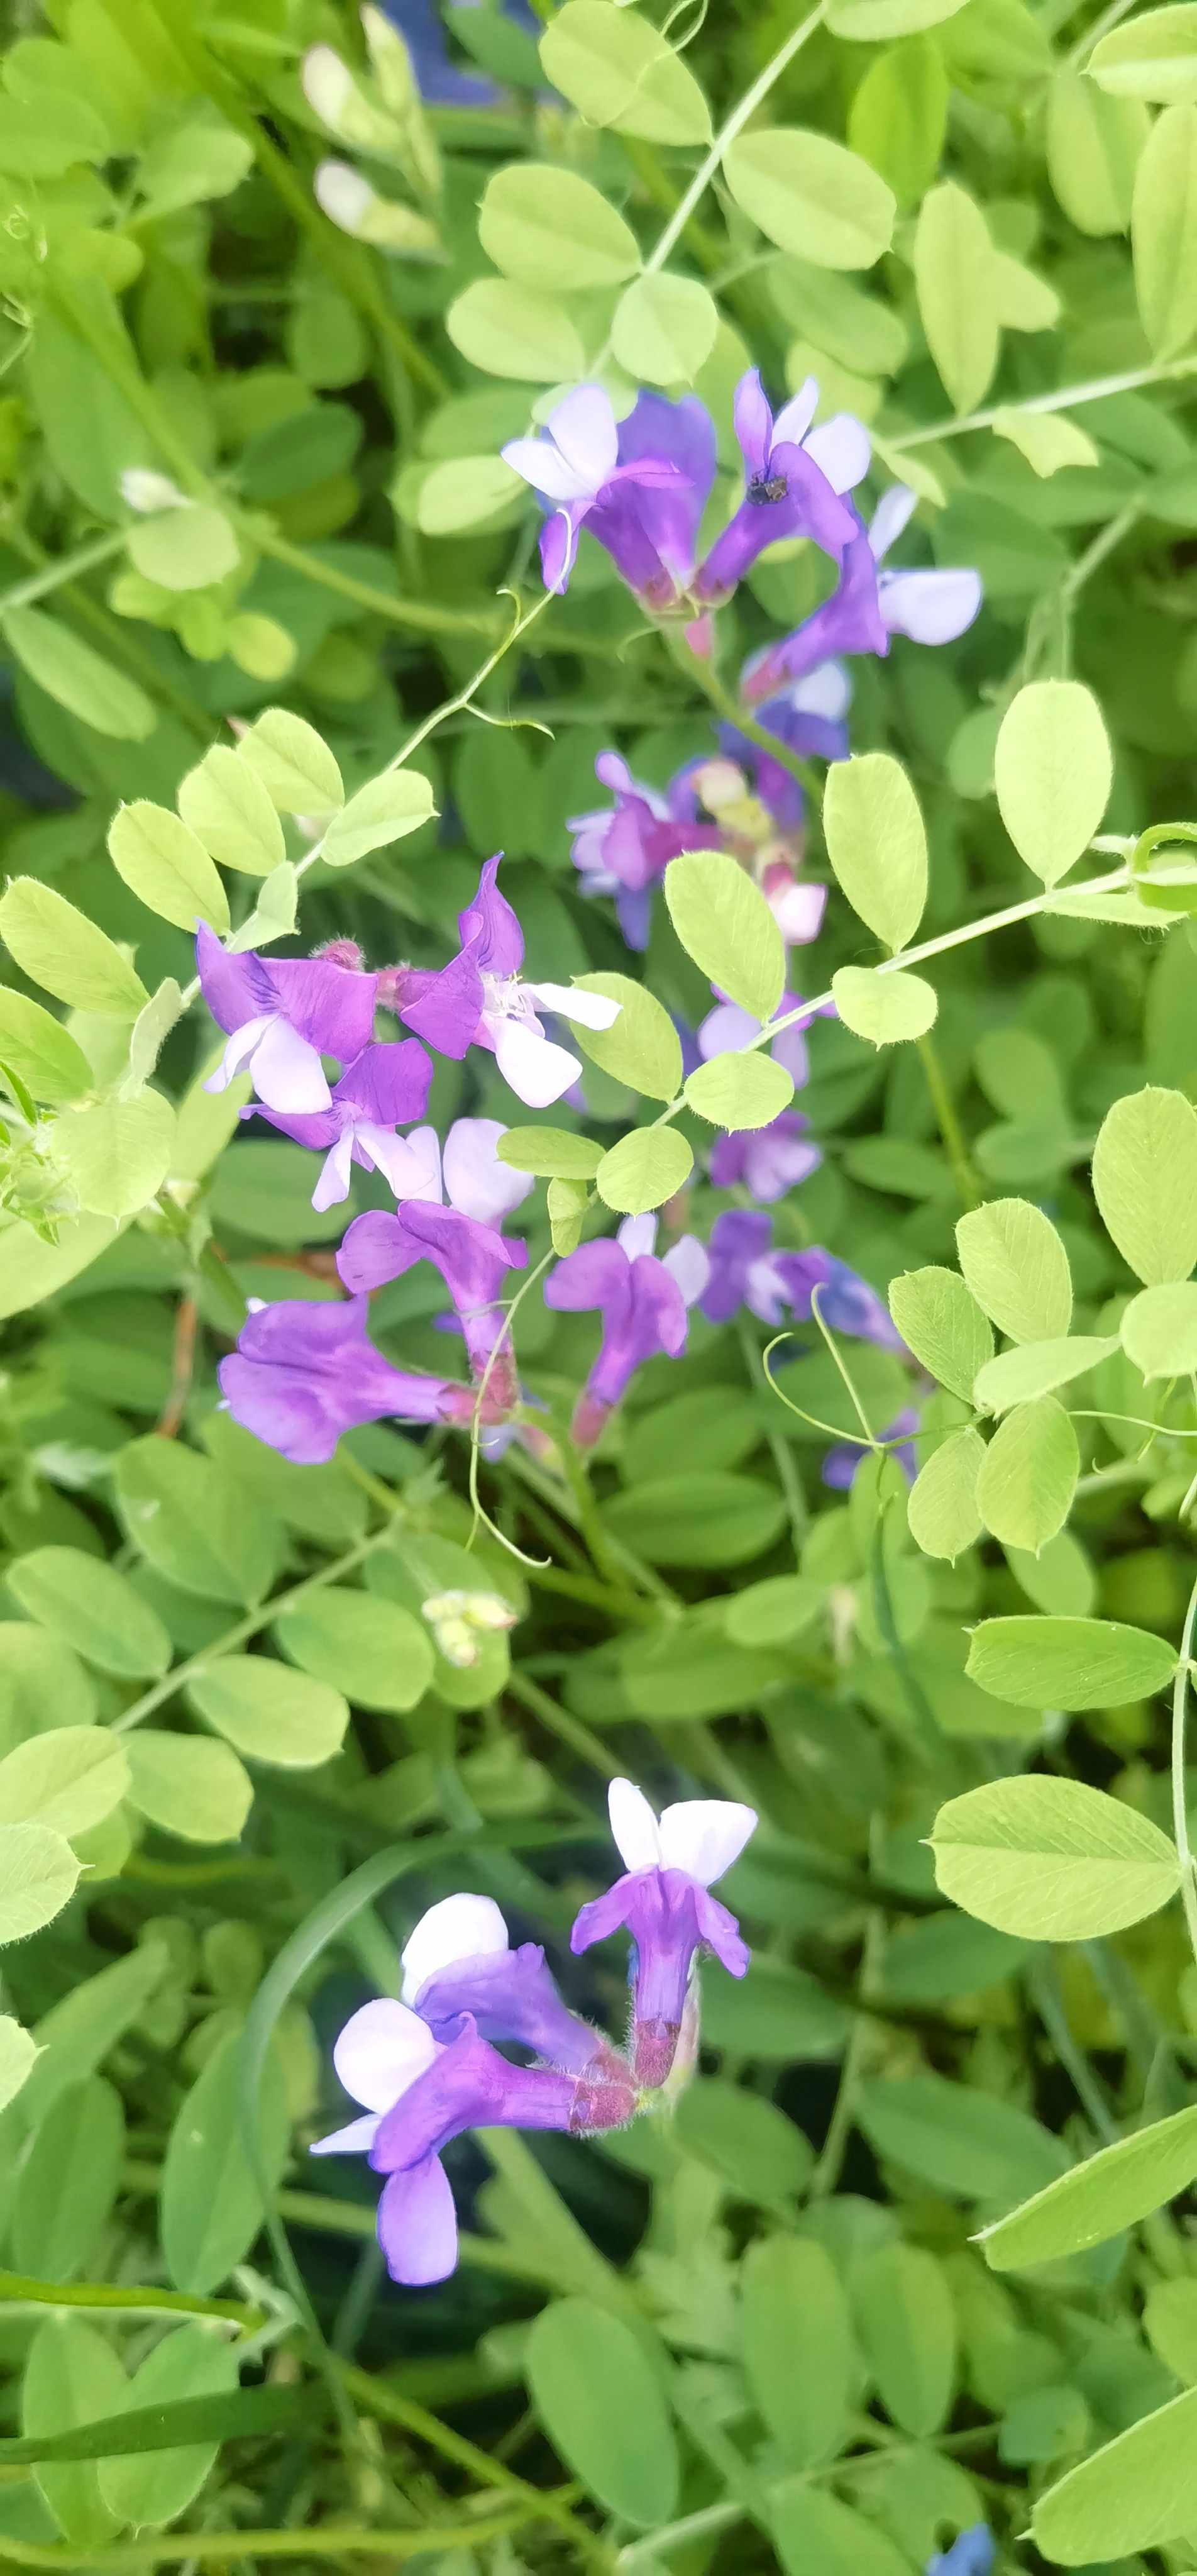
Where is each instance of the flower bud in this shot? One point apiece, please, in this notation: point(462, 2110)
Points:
point(146, 491)
point(458, 1619)
point(334, 96)
point(355, 207)
point(390, 62)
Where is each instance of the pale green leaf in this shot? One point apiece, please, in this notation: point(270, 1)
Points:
point(152, 2488)
point(956, 284)
point(76, 677)
point(377, 1654)
point(1017, 1376)
point(509, 330)
point(1100, 2197)
point(185, 548)
point(551, 1152)
point(166, 866)
point(70, 1777)
point(967, 2145)
point(1164, 231)
point(616, 70)
point(72, 2377)
point(188, 1785)
point(1145, 1182)
point(1017, 1268)
point(644, 1169)
point(1155, 57)
point(269, 1712)
point(738, 1091)
point(641, 1047)
point(797, 2344)
point(117, 1154)
point(385, 810)
point(726, 926)
point(67, 2184)
point(42, 1054)
point(878, 22)
point(1047, 439)
point(18, 2050)
point(294, 763)
point(664, 327)
point(546, 228)
point(876, 843)
point(1052, 768)
point(942, 1510)
point(943, 1324)
point(907, 2326)
point(211, 2207)
point(60, 949)
point(225, 804)
point(38, 1876)
point(1052, 1860)
point(811, 196)
point(1028, 1476)
point(885, 1009)
point(1139, 2490)
point(1093, 145)
point(95, 1608)
point(1159, 1330)
point(1068, 1663)
point(602, 2403)
point(1024, 302)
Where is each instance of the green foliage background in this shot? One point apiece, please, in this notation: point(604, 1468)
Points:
point(234, 1765)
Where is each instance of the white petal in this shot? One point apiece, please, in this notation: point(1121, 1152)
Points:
point(687, 1262)
point(841, 450)
point(381, 2051)
point(542, 465)
point(412, 1164)
point(825, 691)
point(238, 1051)
point(356, 2140)
point(590, 1010)
point(584, 428)
point(342, 194)
point(633, 1826)
point(637, 1235)
point(287, 1071)
point(725, 1030)
point(460, 1927)
point(704, 1836)
point(795, 417)
point(475, 1180)
point(930, 607)
point(336, 1170)
point(889, 518)
point(326, 82)
point(537, 1071)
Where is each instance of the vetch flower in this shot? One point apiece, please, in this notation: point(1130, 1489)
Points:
point(386, 1087)
point(459, 1960)
point(281, 1015)
point(664, 1903)
point(766, 1161)
point(870, 604)
point(639, 485)
point(644, 1304)
point(418, 2095)
point(480, 999)
point(473, 1261)
point(746, 1271)
point(304, 1372)
point(623, 849)
point(793, 478)
point(808, 717)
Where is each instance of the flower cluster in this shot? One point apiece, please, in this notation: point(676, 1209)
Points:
point(429, 2065)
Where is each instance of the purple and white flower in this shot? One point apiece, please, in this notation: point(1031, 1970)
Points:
point(870, 604)
point(473, 1260)
point(644, 1303)
point(793, 478)
point(385, 1088)
point(459, 1959)
point(623, 849)
point(663, 1901)
point(480, 998)
point(746, 1271)
point(303, 1372)
point(281, 1015)
point(766, 1161)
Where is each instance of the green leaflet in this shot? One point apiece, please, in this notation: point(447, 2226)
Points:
point(1110, 2191)
point(1053, 1859)
point(599, 2397)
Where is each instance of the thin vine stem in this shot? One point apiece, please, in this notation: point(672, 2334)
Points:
point(731, 127)
point(1065, 398)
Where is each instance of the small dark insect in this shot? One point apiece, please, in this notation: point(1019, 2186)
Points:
point(772, 490)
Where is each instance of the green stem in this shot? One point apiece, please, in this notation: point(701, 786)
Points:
point(674, 2535)
point(831, 2155)
point(1049, 2004)
point(779, 1447)
point(114, 633)
point(420, 614)
point(707, 679)
point(226, 2548)
point(1064, 399)
point(570, 1730)
point(949, 1125)
point(39, 584)
point(1180, 1818)
point(732, 126)
point(17, 2286)
point(376, 2397)
point(250, 1626)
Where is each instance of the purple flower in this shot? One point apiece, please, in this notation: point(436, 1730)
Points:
point(303, 1373)
point(663, 1902)
point(480, 999)
point(459, 1960)
point(766, 1161)
point(793, 477)
point(643, 1302)
point(971, 2554)
point(808, 717)
point(870, 605)
point(746, 1271)
point(282, 1015)
point(419, 2094)
point(386, 1087)
point(473, 1261)
point(616, 481)
point(624, 849)
point(841, 1462)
